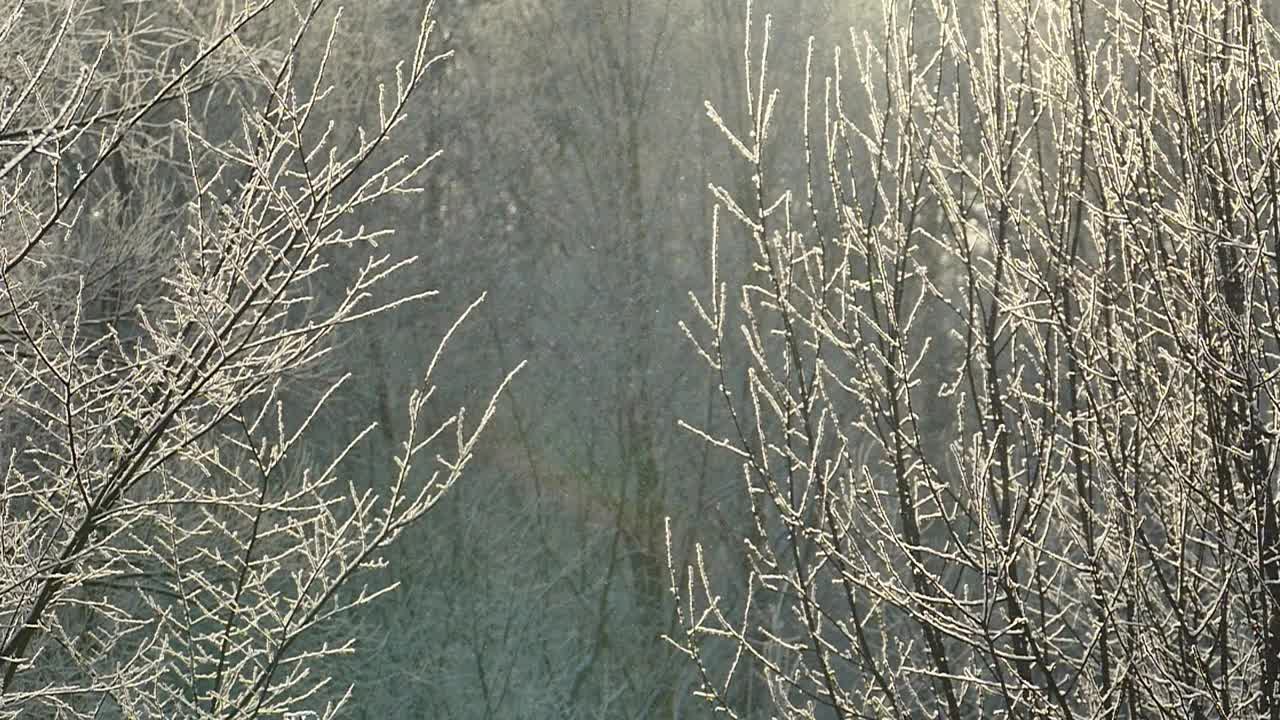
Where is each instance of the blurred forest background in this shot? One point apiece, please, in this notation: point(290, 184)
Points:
point(573, 189)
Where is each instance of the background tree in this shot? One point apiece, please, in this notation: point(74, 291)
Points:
point(543, 594)
point(1008, 427)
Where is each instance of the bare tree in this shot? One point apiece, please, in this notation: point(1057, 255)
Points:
point(169, 202)
point(1011, 353)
